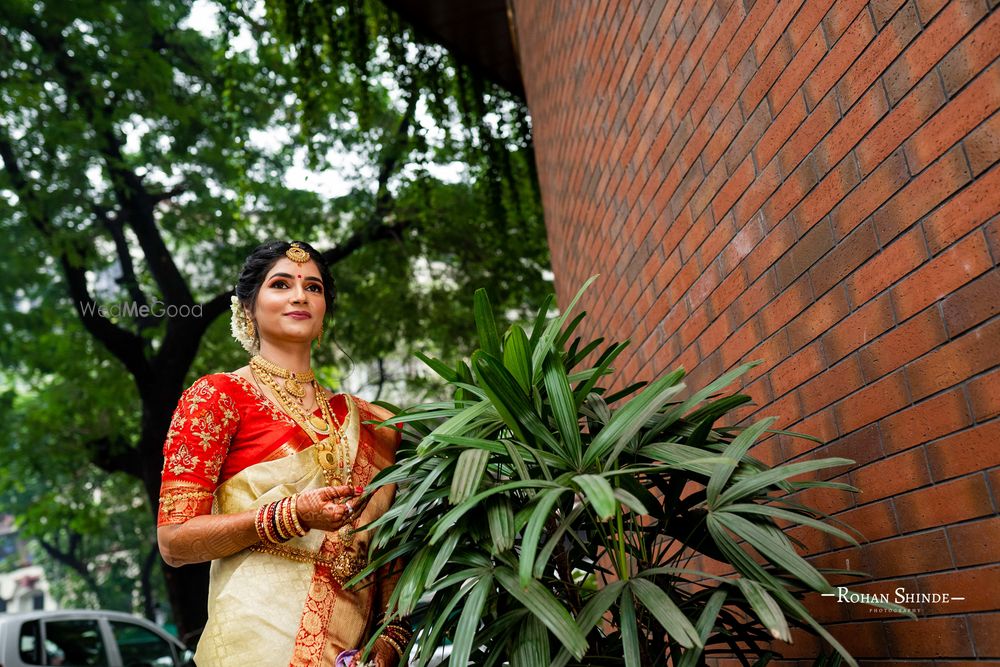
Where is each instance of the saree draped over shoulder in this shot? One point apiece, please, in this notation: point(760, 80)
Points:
point(230, 450)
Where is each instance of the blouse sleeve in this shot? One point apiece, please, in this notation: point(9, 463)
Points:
point(201, 429)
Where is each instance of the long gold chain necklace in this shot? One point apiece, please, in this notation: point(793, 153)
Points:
point(333, 452)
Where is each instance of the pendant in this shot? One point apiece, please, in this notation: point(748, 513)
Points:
point(318, 424)
point(294, 388)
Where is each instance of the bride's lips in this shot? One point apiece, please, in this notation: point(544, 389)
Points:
point(298, 315)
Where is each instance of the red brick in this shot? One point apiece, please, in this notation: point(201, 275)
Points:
point(803, 62)
point(934, 42)
point(831, 385)
point(871, 403)
point(891, 476)
point(796, 369)
point(803, 254)
point(849, 254)
point(970, 57)
point(992, 230)
point(855, 124)
point(971, 207)
point(922, 194)
point(902, 256)
point(839, 58)
point(862, 638)
point(879, 186)
point(925, 421)
point(975, 543)
point(926, 98)
point(767, 73)
point(921, 553)
point(863, 446)
point(830, 190)
point(820, 425)
point(905, 343)
point(951, 502)
point(965, 452)
point(865, 324)
point(942, 275)
point(929, 637)
point(877, 57)
point(984, 395)
point(785, 306)
point(734, 187)
point(982, 145)
point(986, 633)
point(978, 586)
point(883, 11)
point(809, 133)
point(875, 521)
point(817, 318)
point(959, 117)
point(963, 357)
point(774, 136)
point(972, 304)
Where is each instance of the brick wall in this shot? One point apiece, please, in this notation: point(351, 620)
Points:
point(814, 185)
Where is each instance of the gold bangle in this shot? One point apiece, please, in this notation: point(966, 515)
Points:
point(258, 523)
point(393, 644)
point(299, 528)
point(285, 521)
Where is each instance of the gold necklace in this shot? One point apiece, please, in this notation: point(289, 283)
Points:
point(293, 380)
point(333, 453)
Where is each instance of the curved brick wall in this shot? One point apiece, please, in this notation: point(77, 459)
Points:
point(811, 184)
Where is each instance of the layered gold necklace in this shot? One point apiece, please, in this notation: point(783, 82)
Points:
point(332, 452)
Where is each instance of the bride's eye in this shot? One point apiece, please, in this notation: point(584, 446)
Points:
point(279, 283)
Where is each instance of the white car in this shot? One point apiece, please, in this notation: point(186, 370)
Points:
point(80, 638)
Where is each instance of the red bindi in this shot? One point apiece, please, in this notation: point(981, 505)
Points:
point(298, 276)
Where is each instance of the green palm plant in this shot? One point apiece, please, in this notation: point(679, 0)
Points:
point(545, 521)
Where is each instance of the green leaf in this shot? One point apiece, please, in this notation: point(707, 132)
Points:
point(599, 493)
point(468, 474)
point(510, 401)
point(735, 451)
point(533, 531)
point(630, 630)
point(563, 406)
point(786, 515)
point(706, 621)
point(628, 420)
point(468, 622)
point(750, 485)
point(489, 339)
point(546, 608)
point(766, 608)
point(442, 525)
point(666, 612)
point(517, 357)
point(684, 457)
point(438, 367)
point(531, 648)
point(630, 501)
point(682, 409)
point(547, 339)
point(591, 614)
point(581, 393)
point(500, 515)
point(778, 550)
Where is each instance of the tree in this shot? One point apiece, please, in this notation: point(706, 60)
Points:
point(143, 159)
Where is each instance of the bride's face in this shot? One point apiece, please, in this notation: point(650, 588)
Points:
point(290, 303)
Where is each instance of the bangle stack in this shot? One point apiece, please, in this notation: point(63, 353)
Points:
point(396, 636)
point(278, 522)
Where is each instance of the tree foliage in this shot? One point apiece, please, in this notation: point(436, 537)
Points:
point(145, 155)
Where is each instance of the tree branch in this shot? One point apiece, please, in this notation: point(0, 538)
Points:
point(128, 279)
point(122, 344)
point(136, 202)
point(114, 455)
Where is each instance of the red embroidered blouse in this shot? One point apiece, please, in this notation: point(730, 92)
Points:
point(223, 424)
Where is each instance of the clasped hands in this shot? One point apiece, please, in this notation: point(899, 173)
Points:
point(332, 507)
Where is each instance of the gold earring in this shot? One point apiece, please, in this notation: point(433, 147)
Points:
point(251, 329)
point(319, 336)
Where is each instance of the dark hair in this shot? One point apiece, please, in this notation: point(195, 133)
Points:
point(265, 256)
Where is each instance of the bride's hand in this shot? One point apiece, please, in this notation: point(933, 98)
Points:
point(331, 507)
